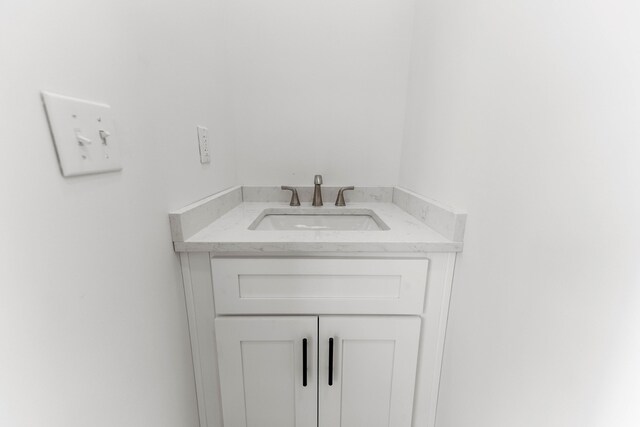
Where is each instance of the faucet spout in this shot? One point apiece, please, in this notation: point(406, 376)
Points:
point(317, 191)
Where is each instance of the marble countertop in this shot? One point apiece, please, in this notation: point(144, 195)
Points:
point(230, 233)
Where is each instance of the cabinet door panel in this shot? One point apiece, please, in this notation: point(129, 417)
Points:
point(261, 371)
point(374, 369)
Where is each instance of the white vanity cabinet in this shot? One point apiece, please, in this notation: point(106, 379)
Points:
point(249, 317)
point(327, 371)
point(335, 361)
point(254, 296)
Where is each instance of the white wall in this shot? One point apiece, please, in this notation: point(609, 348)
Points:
point(93, 325)
point(318, 86)
point(526, 114)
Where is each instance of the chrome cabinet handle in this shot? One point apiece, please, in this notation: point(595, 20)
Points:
point(295, 201)
point(340, 200)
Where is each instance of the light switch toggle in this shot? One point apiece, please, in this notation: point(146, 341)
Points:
point(104, 135)
point(82, 140)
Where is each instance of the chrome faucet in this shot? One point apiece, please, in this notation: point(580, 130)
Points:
point(340, 199)
point(295, 201)
point(317, 191)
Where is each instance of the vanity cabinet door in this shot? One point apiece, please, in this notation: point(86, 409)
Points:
point(367, 370)
point(261, 361)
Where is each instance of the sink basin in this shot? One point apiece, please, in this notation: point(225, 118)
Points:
point(314, 220)
point(317, 222)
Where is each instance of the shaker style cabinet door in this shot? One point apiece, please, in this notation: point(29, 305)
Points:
point(367, 370)
point(265, 379)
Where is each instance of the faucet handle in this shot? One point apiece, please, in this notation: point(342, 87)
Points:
point(340, 200)
point(317, 180)
point(295, 201)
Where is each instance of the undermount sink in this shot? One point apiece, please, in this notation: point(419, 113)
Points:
point(315, 220)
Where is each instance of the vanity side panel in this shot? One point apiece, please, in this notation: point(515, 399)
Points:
point(198, 287)
point(436, 311)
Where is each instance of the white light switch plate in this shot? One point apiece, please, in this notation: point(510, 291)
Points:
point(84, 135)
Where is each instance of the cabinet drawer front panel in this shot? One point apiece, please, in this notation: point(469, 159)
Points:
point(310, 286)
point(319, 286)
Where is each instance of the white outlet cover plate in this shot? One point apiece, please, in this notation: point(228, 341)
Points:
point(203, 143)
point(84, 135)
